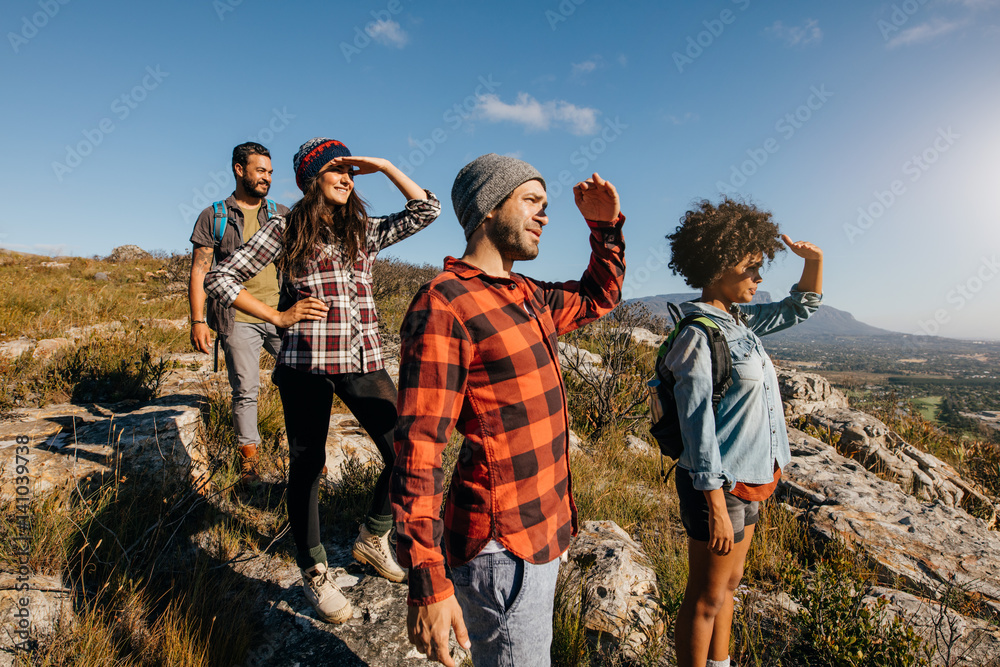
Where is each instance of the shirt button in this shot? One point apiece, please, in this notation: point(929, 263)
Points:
point(512, 286)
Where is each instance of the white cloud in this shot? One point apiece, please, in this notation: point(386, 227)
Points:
point(586, 67)
point(681, 120)
point(388, 33)
point(535, 115)
point(977, 4)
point(924, 32)
point(796, 35)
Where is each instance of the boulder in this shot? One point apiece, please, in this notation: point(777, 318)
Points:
point(55, 265)
point(347, 440)
point(640, 446)
point(47, 347)
point(813, 404)
point(607, 573)
point(643, 336)
point(100, 329)
point(582, 362)
point(101, 276)
point(13, 349)
point(803, 393)
point(127, 253)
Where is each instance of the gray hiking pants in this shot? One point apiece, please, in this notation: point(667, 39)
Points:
point(242, 348)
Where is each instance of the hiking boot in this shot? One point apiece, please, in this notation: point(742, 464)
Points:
point(249, 464)
point(375, 551)
point(324, 595)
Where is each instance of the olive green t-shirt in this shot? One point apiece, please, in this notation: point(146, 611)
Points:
point(264, 285)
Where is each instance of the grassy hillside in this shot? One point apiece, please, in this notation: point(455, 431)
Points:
point(147, 596)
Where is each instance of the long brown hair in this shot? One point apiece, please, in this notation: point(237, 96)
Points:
point(312, 222)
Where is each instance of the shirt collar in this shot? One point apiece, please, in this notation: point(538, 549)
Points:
point(466, 271)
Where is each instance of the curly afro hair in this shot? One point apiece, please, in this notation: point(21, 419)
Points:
point(712, 239)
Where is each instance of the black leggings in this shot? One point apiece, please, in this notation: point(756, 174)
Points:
point(307, 399)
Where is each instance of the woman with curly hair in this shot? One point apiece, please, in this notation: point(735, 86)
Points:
point(324, 250)
point(733, 454)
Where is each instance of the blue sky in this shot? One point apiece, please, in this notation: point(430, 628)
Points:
point(867, 128)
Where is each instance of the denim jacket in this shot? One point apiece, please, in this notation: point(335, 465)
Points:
point(746, 437)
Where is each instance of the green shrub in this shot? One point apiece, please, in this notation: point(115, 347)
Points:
point(106, 370)
point(837, 628)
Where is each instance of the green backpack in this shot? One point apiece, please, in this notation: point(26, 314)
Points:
point(666, 425)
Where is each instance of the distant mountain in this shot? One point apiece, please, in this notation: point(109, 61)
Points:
point(827, 322)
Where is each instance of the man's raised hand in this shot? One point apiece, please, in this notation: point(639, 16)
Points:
point(597, 199)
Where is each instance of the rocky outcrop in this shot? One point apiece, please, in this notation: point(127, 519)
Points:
point(293, 634)
point(608, 583)
point(910, 515)
point(813, 404)
point(928, 545)
point(74, 442)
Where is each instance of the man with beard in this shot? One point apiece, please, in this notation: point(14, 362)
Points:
point(480, 353)
point(219, 231)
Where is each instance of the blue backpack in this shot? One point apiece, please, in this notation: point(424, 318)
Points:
point(222, 217)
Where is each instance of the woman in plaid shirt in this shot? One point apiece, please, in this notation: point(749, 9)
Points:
point(324, 251)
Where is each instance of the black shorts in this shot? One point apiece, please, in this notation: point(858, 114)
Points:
point(694, 509)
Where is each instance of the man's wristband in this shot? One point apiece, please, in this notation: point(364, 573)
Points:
point(198, 322)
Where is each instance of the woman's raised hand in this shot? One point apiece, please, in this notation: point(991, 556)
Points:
point(370, 165)
point(364, 165)
point(803, 249)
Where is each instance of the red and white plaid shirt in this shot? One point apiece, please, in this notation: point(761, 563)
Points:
point(347, 340)
point(481, 353)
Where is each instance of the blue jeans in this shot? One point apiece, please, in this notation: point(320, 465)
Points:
point(507, 605)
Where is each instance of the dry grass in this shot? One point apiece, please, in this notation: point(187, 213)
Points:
point(63, 298)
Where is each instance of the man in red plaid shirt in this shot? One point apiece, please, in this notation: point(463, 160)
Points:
point(480, 353)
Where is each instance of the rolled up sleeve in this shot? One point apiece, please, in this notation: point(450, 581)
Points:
point(225, 281)
point(768, 318)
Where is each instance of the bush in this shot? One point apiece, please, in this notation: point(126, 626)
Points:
point(105, 370)
point(836, 627)
point(614, 395)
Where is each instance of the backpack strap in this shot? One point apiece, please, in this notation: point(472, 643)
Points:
point(221, 218)
point(272, 208)
point(675, 312)
point(722, 362)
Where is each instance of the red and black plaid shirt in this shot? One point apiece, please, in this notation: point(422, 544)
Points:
point(481, 352)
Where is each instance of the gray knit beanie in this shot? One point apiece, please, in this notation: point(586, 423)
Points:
point(484, 183)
